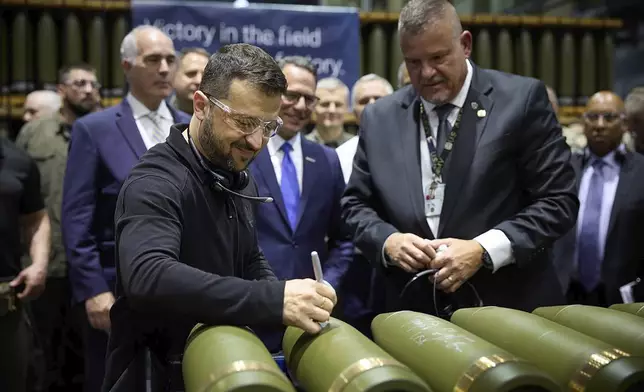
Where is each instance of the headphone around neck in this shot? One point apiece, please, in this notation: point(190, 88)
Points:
point(226, 181)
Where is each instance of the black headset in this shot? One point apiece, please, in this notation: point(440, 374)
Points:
point(225, 181)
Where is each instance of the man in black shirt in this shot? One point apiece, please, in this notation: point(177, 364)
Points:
point(186, 240)
point(22, 215)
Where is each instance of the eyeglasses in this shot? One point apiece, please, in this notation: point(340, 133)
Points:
point(83, 82)
point(609, 118)
point(246, 124)
point(293, 97)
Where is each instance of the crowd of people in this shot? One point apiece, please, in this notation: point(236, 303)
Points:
point(200, 197)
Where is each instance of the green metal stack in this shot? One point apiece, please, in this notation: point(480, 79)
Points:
point(623, 330)
point(576, 361)
point(636, 308)
point(230, 359)
point(341, 359)
point(450, 359)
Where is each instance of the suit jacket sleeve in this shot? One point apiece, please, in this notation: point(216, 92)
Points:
point(148, 234)
point(339, 238)
point(77, 216)
point(547, 180)
point(360, 204)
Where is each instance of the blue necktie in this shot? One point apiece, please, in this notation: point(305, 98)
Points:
point(588, 252)
point(290, 186)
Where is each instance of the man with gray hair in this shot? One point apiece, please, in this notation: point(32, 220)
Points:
point(365, 91)
point(465, 172)
point(403, 75)
point(103, 149)
point(40, 103)
point(634, 108)
point(330, 110)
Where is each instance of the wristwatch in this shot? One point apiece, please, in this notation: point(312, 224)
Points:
point(487, 260)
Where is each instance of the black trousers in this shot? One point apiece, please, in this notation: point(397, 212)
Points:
point(58, 339)
point(15, 345)
point(95, 344)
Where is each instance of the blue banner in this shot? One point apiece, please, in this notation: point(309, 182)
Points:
point(329, 36)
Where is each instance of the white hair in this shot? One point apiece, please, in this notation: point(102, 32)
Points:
point(634, 103)
point(332, 84)
point(46, 98)
point(401, 74)
point(369, 78)
point(129, 47)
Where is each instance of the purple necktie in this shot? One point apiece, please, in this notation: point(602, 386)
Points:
point(290, 187)
point(588, 252)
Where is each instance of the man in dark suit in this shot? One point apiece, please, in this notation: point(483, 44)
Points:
point(104, 147)
point(306, 183)
point(605, 251)
point(494, 205)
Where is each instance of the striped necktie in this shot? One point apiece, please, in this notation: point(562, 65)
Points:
point(158, 134)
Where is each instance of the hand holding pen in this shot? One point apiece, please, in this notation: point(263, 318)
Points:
point(307, 303)
point(319, 276)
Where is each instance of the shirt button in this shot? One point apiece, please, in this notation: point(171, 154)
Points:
point(294, 244)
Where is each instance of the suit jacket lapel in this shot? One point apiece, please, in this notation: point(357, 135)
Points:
point(621, 194)
point(410, 143)
point(469, 134)
point(265, 168)
point(126, 124)
point(175, 114)
point(310, 168)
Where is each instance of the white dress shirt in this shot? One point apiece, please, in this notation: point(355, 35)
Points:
point(147, 127)
point(611, 172)
point(346, 151)
point(495, 242)
point(277, 155)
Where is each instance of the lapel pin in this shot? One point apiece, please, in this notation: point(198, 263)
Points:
point(310, 159)
point(475, 105)
point(481, 113)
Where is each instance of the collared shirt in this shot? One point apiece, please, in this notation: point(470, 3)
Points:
point(277, 155)
point(425, 160)
point(147, 127)
point(346, 153)
point(46, 140)
point(495, 242)
point(314, 136)
point(611, 173)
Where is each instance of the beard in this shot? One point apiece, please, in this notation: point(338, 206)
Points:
point(81, 108)
point(214, 148)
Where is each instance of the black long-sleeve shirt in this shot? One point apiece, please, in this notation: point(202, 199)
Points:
point(186, 254)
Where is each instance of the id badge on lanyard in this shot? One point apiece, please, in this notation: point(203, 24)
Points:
point(434, 193)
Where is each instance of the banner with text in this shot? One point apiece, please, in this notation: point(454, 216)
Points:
point(329, 36)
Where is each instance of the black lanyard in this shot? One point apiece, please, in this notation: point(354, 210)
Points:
point(438, 162)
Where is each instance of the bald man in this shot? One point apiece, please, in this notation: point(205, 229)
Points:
point(40, 103)
point(574, 132)
point(605, 251)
